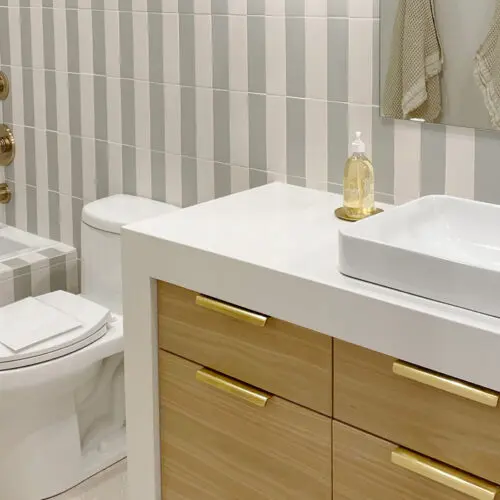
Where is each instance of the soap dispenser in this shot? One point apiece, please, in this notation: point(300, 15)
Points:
point(359, 185)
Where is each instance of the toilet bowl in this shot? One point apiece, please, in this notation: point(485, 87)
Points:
point(62, 411)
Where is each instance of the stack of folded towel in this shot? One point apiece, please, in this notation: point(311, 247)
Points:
point(31, 321)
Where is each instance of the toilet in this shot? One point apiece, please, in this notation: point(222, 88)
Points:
point(62, 401)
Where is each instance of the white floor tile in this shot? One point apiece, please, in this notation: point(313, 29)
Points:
point(107, 485)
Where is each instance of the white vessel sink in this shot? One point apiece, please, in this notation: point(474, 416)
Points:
point(439, 247)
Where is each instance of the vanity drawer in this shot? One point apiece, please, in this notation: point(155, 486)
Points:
point(284, 359)
point(369, 468)
point(411, 406)
point(243, 444)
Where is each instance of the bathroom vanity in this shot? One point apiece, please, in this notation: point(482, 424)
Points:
point(255, 370)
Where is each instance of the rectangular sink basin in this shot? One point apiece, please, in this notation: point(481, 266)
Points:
point(439, 247)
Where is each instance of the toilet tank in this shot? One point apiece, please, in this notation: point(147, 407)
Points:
point(102, 221)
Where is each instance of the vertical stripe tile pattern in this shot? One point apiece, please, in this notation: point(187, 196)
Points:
point(184, 101)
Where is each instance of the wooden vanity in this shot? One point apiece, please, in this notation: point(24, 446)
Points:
point(252, 407)
point(254, 370)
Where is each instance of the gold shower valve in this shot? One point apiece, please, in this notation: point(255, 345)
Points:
point(5, 194)
point(4, 86)
point(7, 146)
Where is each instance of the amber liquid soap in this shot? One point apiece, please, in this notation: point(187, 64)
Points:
point(359, 183)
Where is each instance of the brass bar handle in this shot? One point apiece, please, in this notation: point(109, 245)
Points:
point(233, 387)
point(447, 384)
point(443, 474)
point(234, 312)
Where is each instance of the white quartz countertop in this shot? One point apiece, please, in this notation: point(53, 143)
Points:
point(274, 249)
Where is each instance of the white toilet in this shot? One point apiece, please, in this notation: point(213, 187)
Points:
point(62, 413)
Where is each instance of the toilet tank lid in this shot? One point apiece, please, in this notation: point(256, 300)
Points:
point(112, 213)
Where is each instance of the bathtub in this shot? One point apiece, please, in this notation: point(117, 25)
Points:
point(32, 265)
point(14, 242)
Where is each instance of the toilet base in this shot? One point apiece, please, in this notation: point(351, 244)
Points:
point(55, 435)
point(113, 450)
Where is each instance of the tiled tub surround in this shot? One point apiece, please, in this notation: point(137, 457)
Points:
point(187, 100)
point(43, 266)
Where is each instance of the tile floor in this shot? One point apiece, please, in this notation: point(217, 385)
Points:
point(107, 485)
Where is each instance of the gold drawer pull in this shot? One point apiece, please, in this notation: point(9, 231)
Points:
point(234, 312)
point(451, 385)
point(234, 387)
point(445, 475)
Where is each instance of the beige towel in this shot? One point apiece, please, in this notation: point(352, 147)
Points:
point(487, 69)
point(413, 82)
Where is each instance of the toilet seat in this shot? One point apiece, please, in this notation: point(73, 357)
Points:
point(93, 317)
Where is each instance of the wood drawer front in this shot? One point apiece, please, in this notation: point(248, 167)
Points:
point(457, 431)
point(363, 470)
point(215, 446)
point(284, 359)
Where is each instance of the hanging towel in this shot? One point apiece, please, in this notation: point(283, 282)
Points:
point(487, 69)
point(413, 82)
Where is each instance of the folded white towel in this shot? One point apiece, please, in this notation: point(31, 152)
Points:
point(30, 321)
point(413, 82)
point(487, 69)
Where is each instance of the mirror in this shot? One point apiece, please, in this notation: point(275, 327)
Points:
point(440, 61)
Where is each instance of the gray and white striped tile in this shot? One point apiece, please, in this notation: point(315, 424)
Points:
point(188, 100)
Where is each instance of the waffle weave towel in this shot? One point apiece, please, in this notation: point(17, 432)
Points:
point(413, 82)
point(487, 69)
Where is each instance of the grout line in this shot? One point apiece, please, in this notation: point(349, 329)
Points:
point(195, 87)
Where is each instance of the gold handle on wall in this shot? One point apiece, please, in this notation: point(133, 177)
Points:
point(234, 312)
point(7, 146)
point(447, 384)
point(4, 86)
point(234, 387)
point(443, 474)
point(5, 194)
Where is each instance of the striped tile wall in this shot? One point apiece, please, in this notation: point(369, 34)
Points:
point(187, 100)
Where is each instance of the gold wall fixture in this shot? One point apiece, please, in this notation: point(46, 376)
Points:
point(5, 194)
point(4, 86)
point(7, 146)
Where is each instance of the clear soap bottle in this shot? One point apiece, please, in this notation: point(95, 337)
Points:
point(359, 183)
